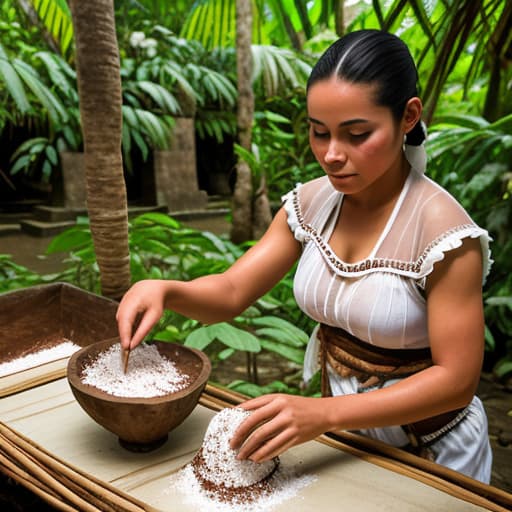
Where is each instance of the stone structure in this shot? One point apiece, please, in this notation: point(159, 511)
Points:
point(73, 177)
point(175, 171)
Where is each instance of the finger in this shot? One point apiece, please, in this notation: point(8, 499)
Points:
point(259, 437)
point(256, 403)
point(256, 419)
point(274, 447)
point(125, 322)
point(147, 322)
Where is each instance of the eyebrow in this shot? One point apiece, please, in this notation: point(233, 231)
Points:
point(343, 123)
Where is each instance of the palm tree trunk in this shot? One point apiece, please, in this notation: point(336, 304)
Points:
point(99, 87)
point(241, 228)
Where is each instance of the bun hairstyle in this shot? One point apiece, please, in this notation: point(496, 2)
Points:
point(374, 57)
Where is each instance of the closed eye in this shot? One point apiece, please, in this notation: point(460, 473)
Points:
point(360, 136)
point(320, 135)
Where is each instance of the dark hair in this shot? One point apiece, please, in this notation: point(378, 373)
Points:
point(374, 57)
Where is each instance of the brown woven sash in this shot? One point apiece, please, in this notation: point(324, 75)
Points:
point(373, 366)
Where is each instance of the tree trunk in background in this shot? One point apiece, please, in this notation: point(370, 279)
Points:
point(339, 17)
point(262, 211)
point(99, 87)
point(499, 61)
point(241, 228)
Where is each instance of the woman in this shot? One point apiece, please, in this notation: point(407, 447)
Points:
point(391, 267)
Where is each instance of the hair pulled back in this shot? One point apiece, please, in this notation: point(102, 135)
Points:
point(378, 58)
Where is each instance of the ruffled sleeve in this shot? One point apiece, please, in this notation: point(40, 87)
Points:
point(453, 240)
point(292, 208)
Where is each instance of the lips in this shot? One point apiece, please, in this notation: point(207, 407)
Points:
point(341, 176)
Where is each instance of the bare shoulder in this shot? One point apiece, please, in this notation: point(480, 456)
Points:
point(460, 270)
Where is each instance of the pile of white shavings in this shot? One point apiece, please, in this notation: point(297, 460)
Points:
point(222, 468)
point(38, 358)
point(285, 484)
point(149, 374)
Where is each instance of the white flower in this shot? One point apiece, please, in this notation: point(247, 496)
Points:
point(137, 38)
point(148, 43)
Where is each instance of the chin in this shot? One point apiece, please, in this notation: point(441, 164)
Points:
point(347, 185)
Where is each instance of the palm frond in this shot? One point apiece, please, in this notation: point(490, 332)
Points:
point(13, 83)
point(56, 17)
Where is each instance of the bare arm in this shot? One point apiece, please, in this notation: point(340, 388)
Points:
point(215, 297)
point(456, 327)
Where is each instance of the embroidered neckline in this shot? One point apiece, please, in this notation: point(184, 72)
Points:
point(411, 267)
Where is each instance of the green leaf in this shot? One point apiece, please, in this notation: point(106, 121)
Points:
point(247, 389)
point(165, 335)
point(13, 84)
point(21, 163)
point(503, 367)
point(154, 246)
point(292, 331)
point(291, 353)
point(490, 342)
point(52, 155)
point(280, 336)
point(500, 301)
point(234, 338)
point(69, 240)
point(200, 338)
point(465, 121)
point(161, 219)
point(226, 353)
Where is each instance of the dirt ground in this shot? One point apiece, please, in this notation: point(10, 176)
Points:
point(497, 398)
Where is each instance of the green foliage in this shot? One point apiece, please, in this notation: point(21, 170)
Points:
point(280, 149)
point(13, 276)
point(26, 89)
point(56, 17)
point(182, 78)
point(36, 154)
point(227, 334)
point(471, 158)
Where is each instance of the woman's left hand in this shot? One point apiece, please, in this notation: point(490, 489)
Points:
point(277, 423)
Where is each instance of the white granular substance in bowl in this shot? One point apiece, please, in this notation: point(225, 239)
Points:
point(149, 373)
point(215, 481)
point(38, 358)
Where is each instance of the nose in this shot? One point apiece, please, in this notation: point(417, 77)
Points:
point(335, 152)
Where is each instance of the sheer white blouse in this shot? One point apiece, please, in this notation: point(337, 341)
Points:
point(379, 300)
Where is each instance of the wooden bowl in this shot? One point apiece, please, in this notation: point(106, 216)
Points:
point(141, 424)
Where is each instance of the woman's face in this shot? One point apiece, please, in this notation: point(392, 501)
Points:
point(355, 141)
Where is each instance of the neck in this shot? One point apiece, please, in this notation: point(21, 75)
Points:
point(384, 190)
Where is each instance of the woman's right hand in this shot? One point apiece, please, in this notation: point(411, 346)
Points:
point(139, 310)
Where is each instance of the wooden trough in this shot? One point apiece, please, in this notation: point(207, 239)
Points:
point(42, 317)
